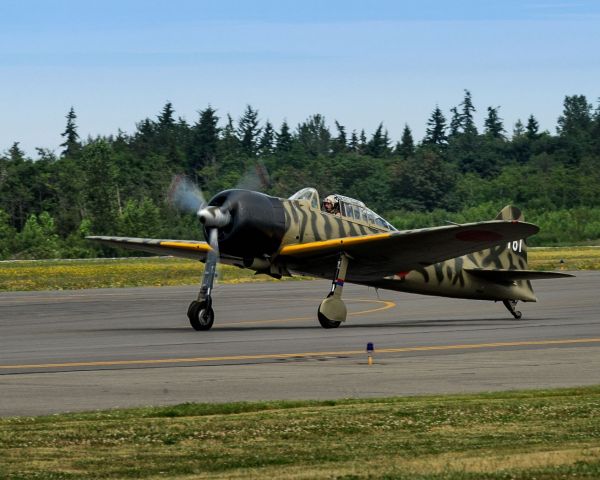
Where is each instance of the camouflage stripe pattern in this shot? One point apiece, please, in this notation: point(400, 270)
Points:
point(305, 223)
point(451, 278)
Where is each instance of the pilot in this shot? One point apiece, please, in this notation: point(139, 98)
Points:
point(331, 205)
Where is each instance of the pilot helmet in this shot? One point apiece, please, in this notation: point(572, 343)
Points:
point(331, 199)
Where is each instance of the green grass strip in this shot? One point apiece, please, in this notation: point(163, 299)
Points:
point(544, 434)
point(164, 271)
point(113, 273)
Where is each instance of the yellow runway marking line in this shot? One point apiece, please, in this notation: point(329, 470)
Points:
point(386, 306)
point(283, 356)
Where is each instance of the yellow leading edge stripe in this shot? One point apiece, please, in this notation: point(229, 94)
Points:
point(292, 249)
point(326, 244)
point(279, 356)
point(203, 247)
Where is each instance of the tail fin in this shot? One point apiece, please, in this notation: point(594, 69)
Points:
point(507, 263)
point(512, 255)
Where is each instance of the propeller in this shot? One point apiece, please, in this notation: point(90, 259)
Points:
point(256, 177)
point(184, 195)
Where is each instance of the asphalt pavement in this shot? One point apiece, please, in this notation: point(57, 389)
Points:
point(97, 349)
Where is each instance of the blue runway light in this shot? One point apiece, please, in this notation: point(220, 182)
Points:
point(370, 347)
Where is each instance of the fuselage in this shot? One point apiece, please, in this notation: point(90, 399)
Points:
point(262, 225)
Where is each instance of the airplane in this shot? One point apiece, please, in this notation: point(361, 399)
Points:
point(485, 260)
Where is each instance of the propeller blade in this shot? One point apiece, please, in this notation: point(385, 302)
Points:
point(184, 195)
point(255, 178)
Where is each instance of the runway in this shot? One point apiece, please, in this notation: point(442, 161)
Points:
point(98, 349)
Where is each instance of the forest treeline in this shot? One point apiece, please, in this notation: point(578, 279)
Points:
point(458, 172)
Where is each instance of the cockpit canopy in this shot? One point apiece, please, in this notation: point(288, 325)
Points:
point(307, 193)
point(350, 208)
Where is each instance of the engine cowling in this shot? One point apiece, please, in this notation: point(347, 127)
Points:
point(257, 223)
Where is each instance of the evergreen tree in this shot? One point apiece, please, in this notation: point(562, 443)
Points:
point(407, 145)
point(231, 159)
point(378, 146)
point(520, 146)
point(455, 122)
point(205, 139)
point(229, 140)
point(266, 145)
point(17, 185)
point(354, 145)
point(170, 137)
point(465, 144)
point(249, 132)
point(165, 118)
point(15, 153)
point(518, 129)
point(283, 139)
point(436, 129)
point(575, 130)
point(576, 118)
point(532, 128)
point(340, 143)
point(71, 144)
point(82, 193)
point(314, 136)
point(144, 139)
point(101, 187)
point(362, 142)
point(493, 124)
point(596, 131)
point(467, 121)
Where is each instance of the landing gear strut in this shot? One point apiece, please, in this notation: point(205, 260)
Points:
point(510, 306)
point(200, 311)
point(332, 311)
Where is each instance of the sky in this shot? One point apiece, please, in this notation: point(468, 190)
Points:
point(357, 62)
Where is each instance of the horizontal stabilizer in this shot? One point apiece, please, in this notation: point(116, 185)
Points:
point(513, 275)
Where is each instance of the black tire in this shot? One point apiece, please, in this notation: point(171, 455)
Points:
point(325, 322)
point(201, 318)
point(518, 315)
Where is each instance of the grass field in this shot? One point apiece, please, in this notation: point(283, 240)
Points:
point(548, 434)
point(107, 273)
point(160, 271)
point(574, 258)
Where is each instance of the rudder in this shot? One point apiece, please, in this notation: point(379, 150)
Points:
point(513, 254)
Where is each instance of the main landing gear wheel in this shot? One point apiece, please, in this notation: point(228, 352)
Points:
point(332, 310)
point(325, 322)
point(201, 316)
point(510, 306)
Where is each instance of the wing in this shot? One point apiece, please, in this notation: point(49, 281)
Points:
point(375, 256)
point(192, 249)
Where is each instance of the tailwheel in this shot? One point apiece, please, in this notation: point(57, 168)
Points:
point(510, 306)
point(201, 315)
point(325, 322)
